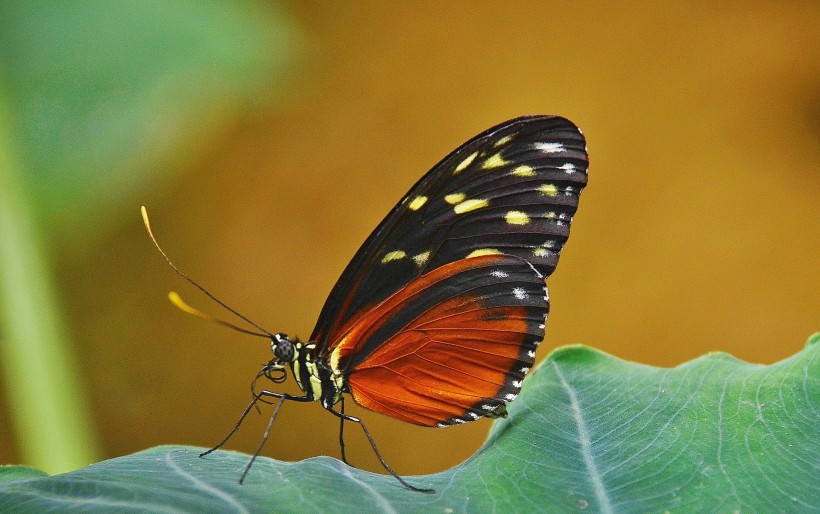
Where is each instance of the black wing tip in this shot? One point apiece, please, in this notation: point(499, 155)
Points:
point(555, 120)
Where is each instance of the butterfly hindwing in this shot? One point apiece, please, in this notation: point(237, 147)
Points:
point(451, 346)
point(510, 190)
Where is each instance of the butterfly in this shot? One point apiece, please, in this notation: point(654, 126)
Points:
point(436, 319)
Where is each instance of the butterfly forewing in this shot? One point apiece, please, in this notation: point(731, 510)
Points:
point(510, 190)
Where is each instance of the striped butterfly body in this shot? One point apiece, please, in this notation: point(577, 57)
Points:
point(436, 319)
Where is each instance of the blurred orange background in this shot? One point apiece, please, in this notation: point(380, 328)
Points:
point(699, 230)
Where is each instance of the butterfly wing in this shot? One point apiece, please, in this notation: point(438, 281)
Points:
point(451, 346)
point(510, 190)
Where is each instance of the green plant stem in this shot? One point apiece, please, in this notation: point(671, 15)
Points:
point(48, 410)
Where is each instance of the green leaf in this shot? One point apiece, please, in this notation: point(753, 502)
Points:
point(588, 431)
point(108, 95)
point(16, 473)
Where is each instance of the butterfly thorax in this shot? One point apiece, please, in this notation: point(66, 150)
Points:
point(313, 374)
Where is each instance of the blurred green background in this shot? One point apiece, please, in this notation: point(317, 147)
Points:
point(267, 140)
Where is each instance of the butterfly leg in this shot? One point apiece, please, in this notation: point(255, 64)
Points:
point(256, 398)
point(282, 397)
point(384, 464)
point(342, 431)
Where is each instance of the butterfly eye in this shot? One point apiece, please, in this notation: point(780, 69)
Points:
point(282, 347)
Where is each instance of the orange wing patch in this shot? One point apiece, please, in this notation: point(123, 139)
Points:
point(467, 340)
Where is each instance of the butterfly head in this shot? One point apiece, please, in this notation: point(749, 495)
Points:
point(283, 348)
point(284, 353)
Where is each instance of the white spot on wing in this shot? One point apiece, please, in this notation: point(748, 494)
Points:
point(550, 147)
point(511, 396)
point(519, 293)
point(568, 167)
point(499, 274)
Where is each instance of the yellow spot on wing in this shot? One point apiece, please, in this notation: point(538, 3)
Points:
point(466, 162)
point(548, 189)
point(503, 141)
point(483, 251)
point(417, 203)
point(539, 252)
point(393, 256)
point(454, 198)
point(421, 258)
point(494, 162)
point(523, 171)
point(470, 205)
point(517, 218)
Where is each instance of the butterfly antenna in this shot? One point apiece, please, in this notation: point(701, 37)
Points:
point(180, 304)
point(184, 307)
